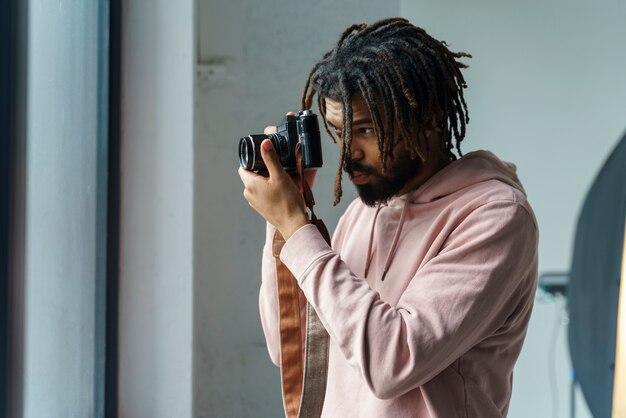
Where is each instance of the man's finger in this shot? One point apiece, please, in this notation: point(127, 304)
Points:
point(269, 130)
point(243, 174)
point(270, 158)
point(247, 177)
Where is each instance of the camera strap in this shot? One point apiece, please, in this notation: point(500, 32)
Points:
point(303, 369)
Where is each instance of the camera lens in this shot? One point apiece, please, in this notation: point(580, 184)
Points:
point(245, 152)
point(250, 152)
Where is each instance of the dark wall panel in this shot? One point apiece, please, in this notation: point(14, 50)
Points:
point(7, 42)
point(593, 294)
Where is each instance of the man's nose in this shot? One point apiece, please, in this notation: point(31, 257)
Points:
point(356, 152)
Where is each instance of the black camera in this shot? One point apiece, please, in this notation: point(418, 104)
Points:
point(302, 129)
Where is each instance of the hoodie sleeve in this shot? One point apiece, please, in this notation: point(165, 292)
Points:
point(268, 294)
point(457, 299)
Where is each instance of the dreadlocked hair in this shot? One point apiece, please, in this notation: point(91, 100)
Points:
point(408, 80)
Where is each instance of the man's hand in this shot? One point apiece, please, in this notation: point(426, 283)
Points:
point(276, 197)
point(309, 173)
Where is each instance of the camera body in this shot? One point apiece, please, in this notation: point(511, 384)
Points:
point(293, 129)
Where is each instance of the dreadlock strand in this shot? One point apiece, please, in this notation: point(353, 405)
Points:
point(346, 129)
point(389, 94)
point(357, 27)
point(403, 115)
point(322, 108)
point(337, 189)
point(372, 106)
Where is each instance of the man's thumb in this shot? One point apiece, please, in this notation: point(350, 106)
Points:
point(270, 158)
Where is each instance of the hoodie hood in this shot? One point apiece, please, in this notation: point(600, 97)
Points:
point(473, 168)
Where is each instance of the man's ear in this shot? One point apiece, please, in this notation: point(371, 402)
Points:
point(434, 126)
point(435, 122)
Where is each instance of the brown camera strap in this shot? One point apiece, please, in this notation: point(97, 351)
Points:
point(303, 371)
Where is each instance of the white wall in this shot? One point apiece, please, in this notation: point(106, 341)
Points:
point(268, 48)
point(156, 249)
point(546, 91)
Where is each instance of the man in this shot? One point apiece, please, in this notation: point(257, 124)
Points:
point(428, 286)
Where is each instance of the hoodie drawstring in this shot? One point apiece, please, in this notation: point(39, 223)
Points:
point(394, 245)
point(370, 254)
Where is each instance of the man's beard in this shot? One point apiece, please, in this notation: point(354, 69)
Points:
point(381, 187)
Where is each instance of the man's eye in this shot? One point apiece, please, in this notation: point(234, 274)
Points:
point(358, 132)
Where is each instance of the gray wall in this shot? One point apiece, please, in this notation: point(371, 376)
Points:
point(156, 237)
point(253, 61)
point(546, 91)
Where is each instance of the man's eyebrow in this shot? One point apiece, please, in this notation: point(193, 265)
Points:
point(361, 121)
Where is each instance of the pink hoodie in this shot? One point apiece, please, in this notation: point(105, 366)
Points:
point(439, 336)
